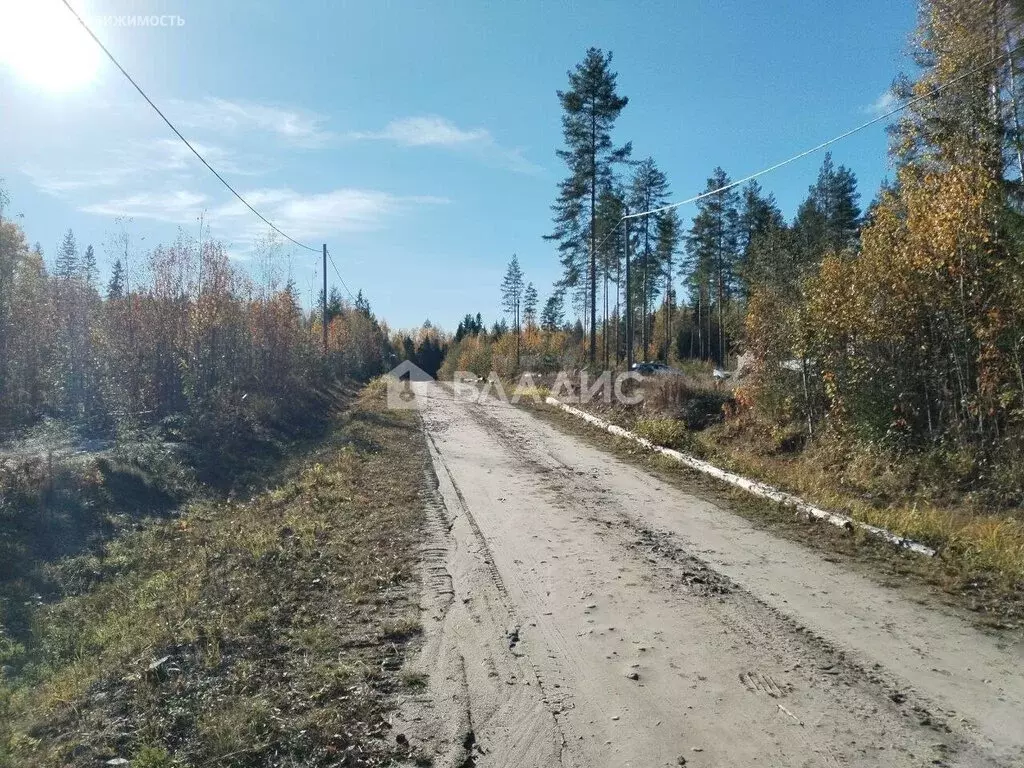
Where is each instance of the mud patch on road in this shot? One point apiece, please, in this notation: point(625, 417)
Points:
point(690, 572)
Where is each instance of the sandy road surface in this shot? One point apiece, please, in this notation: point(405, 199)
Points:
point(578, 612)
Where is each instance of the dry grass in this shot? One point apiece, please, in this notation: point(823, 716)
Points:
point(670, 433)
point(879, 490)
point(268, 631)
point(694, 403)
point(917, 498)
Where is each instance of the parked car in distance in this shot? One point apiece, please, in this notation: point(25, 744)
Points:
point(654, 369)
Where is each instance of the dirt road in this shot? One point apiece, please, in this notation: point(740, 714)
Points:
point(579, 612)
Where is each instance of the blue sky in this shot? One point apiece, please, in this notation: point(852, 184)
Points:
point(417, 139)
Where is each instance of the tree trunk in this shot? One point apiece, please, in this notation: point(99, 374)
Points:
point(719, 265)
point(647, 247)
point(700, 322)
point(604, 326)
point(593, 233)
point(668, 307)
point(618, 311)
point(1014, 109)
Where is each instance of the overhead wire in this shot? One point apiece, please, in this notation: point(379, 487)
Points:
point(178, 133)
point(340, 278)
point(818, 147)
point(710, 193)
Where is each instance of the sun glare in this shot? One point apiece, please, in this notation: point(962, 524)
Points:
point(43, 44)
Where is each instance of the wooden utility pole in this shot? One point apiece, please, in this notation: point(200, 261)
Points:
point(618, 311)
point(629, 298)
point(323, 307)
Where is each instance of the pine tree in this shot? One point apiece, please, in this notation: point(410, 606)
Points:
point(828, 221)
point(512, 298)
point(89, 270)
point(67, 263)
point(363, 305)
point(553, 316)
point(590, 107)
point(648, 190)
point(610, 208)
point(115, 288)
point(843, 212)
point(713, 245)
point(530, 305)
point(669, 229)
point(759, 219)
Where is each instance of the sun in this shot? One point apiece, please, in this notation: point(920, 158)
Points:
point(43, 44)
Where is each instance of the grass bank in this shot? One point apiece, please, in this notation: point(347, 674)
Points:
point(263, 631)
point(980, 561)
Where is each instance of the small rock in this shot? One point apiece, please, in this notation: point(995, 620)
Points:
point(632, 676)
point(697, 749)
point(402, 739)
point(681, 760)
point(615, 717)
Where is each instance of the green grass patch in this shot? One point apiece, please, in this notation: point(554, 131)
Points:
point(269, 630)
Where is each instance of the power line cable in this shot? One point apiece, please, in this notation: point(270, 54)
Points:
point(935, 91)
point(340, 278)
point(179, 134)
point(829, 142)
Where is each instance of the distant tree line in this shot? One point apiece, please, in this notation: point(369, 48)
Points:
point(176, 330)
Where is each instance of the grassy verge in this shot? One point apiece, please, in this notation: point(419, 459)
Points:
point(980, 565)
point(875, 487)
point(64, 496)
point(266, 631)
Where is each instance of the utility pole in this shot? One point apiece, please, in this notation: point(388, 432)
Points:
point(323, 307)
point(629, 298)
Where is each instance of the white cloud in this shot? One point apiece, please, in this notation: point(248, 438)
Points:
point(179, 207)
point(134, 161)
point(173, 155)
point(317, 215)
point(303, 216)
point(428, 131)
point(295, 126)
point(884, 103)
point(57, 183)
point(436, 131)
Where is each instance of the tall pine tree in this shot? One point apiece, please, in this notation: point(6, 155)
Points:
point(115, 288)
point(649, 190)
point(590, 107)
point(713, 245)
point(828, 221)
point(760, 219)
point(530, 305)
point(669, 229)
point(512, 298)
